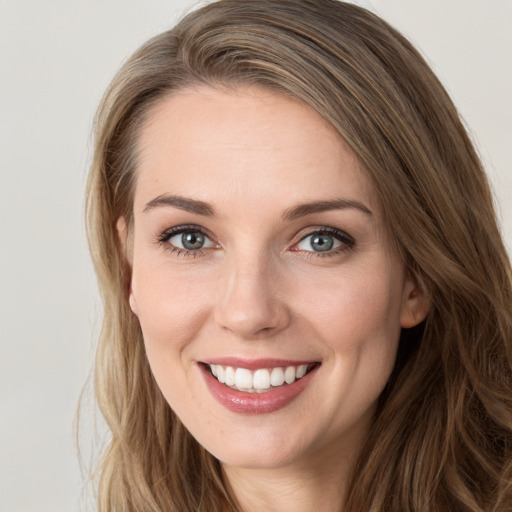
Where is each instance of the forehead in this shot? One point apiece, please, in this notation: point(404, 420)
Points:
point(248, 144)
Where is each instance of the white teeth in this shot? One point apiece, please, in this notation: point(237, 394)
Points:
point(260, 380)
point(230, 376)
point(277, 377)
point(289, 374)
point(243, 378)
point(301, 371)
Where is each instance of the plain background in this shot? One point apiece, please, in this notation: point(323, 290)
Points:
point(56, 58)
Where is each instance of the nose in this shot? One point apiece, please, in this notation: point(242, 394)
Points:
point(251, 302)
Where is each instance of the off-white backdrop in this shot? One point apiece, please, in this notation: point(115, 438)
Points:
point(56, 58)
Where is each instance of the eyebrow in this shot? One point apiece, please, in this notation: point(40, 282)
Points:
point(301, 210)
point(183, 203)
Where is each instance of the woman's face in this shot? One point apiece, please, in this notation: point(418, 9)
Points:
point(260, 255)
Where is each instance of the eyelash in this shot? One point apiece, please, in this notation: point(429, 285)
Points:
point(346, 240)
point(164, 238)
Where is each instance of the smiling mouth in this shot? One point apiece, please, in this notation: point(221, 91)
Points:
point(261, 380)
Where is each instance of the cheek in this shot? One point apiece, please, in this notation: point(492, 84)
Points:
point(355, 309)
point(171, 311)
point(171, 306)
point(358, 319)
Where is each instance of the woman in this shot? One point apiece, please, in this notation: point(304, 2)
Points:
point(307, 299)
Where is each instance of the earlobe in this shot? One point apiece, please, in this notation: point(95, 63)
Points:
point(416, 303)
point(133, 303)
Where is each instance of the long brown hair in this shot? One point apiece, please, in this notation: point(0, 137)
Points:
point(442, 436)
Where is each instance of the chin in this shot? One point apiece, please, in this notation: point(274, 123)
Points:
point(256, 457)
point(269, 446)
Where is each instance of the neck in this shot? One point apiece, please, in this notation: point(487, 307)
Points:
point(318, 482)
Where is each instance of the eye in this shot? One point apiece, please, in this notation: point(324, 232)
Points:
point(191, 240)
point(325, 241)
point(186, 239)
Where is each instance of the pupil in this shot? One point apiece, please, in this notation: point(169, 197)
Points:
point(192, 240)
point(321, 243)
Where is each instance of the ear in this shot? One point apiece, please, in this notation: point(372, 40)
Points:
point(123, 235)
point(416, 302)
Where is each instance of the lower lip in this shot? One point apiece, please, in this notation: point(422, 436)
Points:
point(255, 403)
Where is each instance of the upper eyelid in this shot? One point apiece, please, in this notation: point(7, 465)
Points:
point(325, 229)
point(176, 230)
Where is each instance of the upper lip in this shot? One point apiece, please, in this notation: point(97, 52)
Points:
point(255, 364)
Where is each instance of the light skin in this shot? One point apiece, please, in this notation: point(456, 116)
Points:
point(232, 170)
